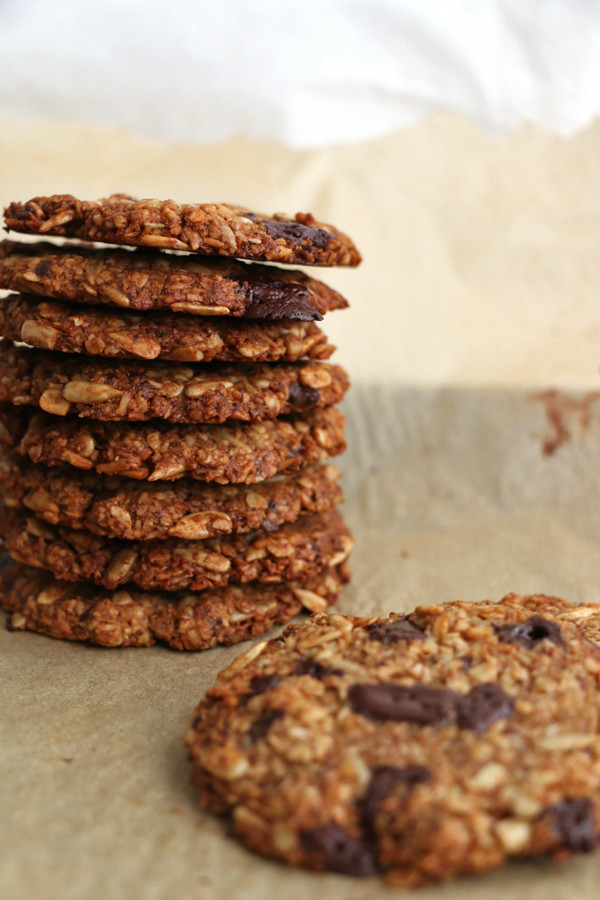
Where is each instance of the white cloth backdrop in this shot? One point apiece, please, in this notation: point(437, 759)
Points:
point(304, 72)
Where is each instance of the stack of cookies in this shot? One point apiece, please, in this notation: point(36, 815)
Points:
point(166, 431)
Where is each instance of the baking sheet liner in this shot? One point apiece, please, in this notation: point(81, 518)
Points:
point(473, 470)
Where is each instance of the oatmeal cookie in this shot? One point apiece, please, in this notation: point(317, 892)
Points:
point(220, 229)
point(294, 552)
point(184, 621)
point(225, 454)
point(52, 325)
point(419, 746)
point(119, 390)
point(147, 280)
point(121, 508)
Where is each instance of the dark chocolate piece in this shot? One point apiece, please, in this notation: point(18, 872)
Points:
point(383, 780)
point(262, 684)
point(260, 727)
point(392, 632)
point(301, 396)
point(416, 703)
point(310, 666)
point(340, 851)
point(530, 633)
point(573, 821)
point(280, 300)
point(483, 705)
point(294, 232)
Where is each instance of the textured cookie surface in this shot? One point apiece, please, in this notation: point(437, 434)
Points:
point(207, 228)
point(119, 390)
point(419, 746)
point(226, 454)
point(122, 508)
point(52, 325)
point(293, 552)
point(146, 279)
point(184, 621)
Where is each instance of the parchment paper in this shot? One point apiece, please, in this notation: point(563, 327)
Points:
point(473, 470)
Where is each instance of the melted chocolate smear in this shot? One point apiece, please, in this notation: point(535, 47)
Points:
point(531, 633)
point(573, 822)
point(340, 851)
point(260, 727)
point(483, 705)
point(301, 396)
point(279, 300)
point(313, 668)
point(392, 632)
point(417, 703)
point(383, 780)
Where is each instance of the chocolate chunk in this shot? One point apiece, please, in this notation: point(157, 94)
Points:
point(383, 781)
point(483, 705)
point(340, 851)
point(310, 666)
point(43, 268)
point(392, 632)
point(573, 822)
point(262, 683)
point(530, 633)
point(417, 703)
point(301, 396)
point(467, 661)
point(260, 727)
point(279, 300)
point(295, 233)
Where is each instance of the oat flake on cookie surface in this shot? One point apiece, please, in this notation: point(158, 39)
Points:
point(419, 746)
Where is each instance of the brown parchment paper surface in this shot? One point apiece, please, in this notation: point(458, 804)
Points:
point(473, 470)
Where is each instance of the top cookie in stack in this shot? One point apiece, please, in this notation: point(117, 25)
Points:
point(206, 380)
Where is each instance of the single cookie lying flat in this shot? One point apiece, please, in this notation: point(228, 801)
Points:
point(208, 228)
point(225, 454)
point(186, 621)
point(52, 325)
point(147, 279)
point(294, 552)
point(119, 390)
point(419, 746)
point(121, 508)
